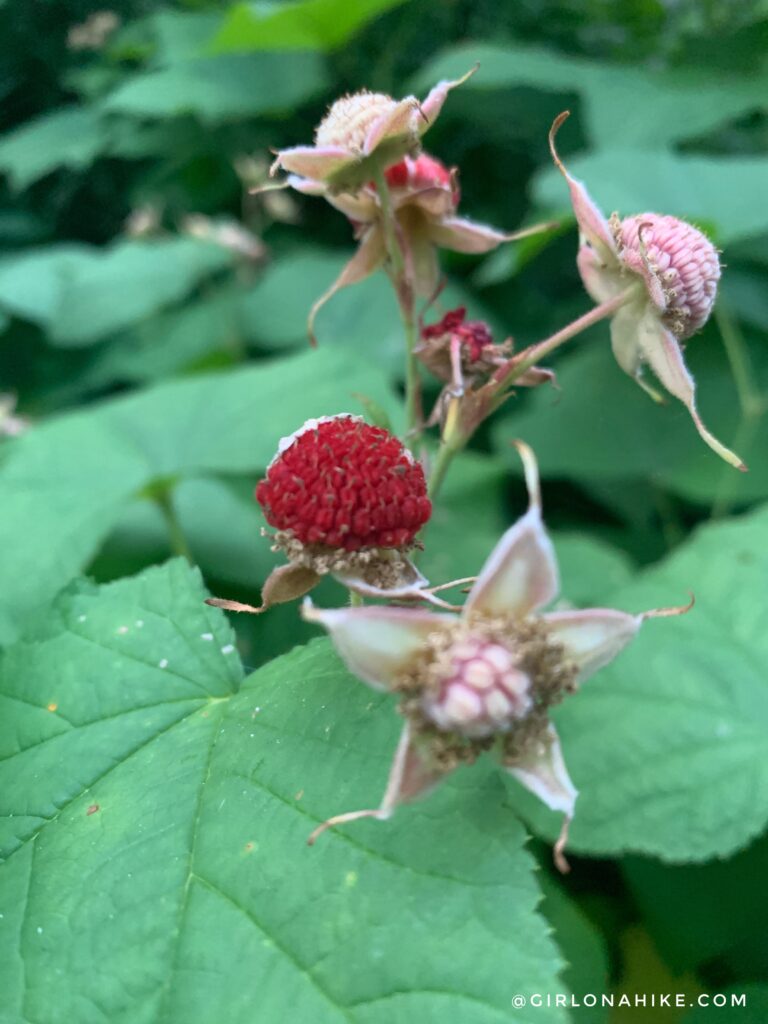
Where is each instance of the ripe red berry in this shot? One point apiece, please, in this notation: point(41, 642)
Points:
point(342, 483)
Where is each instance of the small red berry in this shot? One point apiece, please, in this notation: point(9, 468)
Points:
point(421, 173)
point(341, 483)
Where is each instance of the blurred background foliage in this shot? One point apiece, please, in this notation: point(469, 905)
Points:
point(136, 267)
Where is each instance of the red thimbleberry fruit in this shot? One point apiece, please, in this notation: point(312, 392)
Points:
point(341, 483)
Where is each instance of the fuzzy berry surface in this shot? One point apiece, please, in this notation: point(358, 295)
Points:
point(345, 484)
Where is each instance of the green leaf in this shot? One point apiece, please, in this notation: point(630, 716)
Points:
point(224, 88)
point(277, 308)
point(682, 905)
point(633, 180)
point(303, 25)
point(79, 294)
point(469, 519)
point(668, 746)
point(582, 946)
point(181, 35)
point(66, 483)
point(159, 814)
point(221, 522)
point(172, 342)
point(631, 437)
point(666, 106)
point(753, 1009)
point(70, 137)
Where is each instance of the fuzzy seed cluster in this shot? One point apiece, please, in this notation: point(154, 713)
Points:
point(350, 118)
point(344, 484)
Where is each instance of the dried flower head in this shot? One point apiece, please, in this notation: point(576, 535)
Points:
point(346, 499)
point(479, 373)
point(669, 272)
point(483, 680)
point(362, 134)
point(455, 339)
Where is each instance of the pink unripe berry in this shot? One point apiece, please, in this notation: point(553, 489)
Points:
point(682, 260)
point(480, 691)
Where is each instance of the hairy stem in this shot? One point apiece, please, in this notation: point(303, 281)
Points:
point(405, 301)
point(454, 441)
point(543, 348)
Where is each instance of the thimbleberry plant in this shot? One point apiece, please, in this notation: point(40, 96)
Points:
point(350, 499)
point(329, 329)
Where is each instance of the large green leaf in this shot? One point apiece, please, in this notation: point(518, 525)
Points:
point(362, 316)
point(157, 819)
point(172, 341)
point(669, 744)
point(627, 436)
point(224, 88)
point(69, 137)
point(665, 106)
point(469, 518)
point(79, 294)
point(301, 25)
point(633, 180)
point(65, 484)
point(682, 905)
point(744, 1004)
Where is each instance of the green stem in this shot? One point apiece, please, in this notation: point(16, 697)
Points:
point(394, 249)
point(445, 455)
point(751, 401)
point(543, 348)
point(164, 501)
point(405, 302)
point(412, 379)
point(355, 600)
